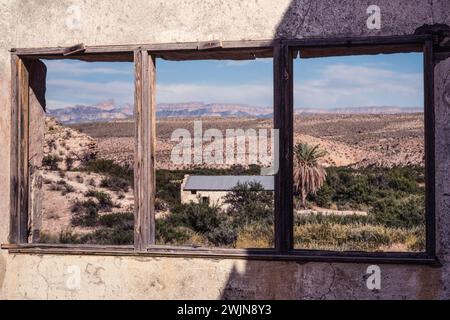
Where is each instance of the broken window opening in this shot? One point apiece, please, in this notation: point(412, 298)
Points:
point(81, 151)
point(282, 51)
point(213, 136)
point(359, 165)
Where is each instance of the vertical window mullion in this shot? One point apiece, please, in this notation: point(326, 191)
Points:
point(144, 174)
point(283, 120)
point(429, 115)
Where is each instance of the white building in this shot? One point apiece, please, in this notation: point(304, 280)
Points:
point(213, 189)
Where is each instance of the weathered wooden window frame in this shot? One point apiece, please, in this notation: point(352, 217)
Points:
point(356, 46)
point(144, 57)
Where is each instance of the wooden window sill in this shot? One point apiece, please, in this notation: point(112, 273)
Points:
point(218, 253)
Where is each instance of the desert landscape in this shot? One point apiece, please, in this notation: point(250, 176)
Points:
point(374, 180)
point(350, 140)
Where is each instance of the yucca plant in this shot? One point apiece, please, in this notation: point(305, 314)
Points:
point(309, 175)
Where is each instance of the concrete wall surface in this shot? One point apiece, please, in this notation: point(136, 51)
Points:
point(45, 23)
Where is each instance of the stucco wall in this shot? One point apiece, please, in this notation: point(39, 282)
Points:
point(214, 197)
point(38, 23)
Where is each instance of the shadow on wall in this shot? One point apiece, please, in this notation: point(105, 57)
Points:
point(311, 18)
point(283, 280)
point(275, 280)
point(290, 280)
point(259, 281)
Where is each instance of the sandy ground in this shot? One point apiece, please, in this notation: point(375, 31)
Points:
point(57, 207)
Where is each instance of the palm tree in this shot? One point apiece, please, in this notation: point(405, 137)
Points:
point(309, 175)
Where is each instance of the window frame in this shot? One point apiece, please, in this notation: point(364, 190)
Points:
point(144, 57)
point(357, 46)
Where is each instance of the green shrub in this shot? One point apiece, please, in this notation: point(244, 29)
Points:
point(404, 212)
point(323, 198)
point(392, 196)
point(92, 183)
point(69, 163)
point(67, 189)
point(358, 233)
point(125, 220)
point(46, 237)
point(198, 216)
point(68, 237)
point(334, 219)
point(110, 236)
point(115, 184)
point(104, 200)
point(167, 233)
point(85, 213)
point(51, 162)
point(256, 235)
point(63, 186)
point(249, 202)
point(206, 220)
point(110, 168)
point(64, 237)
point(160, 205)
point(356, 237)
point(112, 229)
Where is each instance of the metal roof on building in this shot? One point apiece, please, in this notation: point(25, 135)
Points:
point(226, 183)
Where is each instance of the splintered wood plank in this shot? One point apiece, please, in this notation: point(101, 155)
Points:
point(149, 126)
point(14, 153)
point(23, 104)
point(213, 44)
point(74, 49)
point(144, 150)
point(35, 203)
point(138, 148)
point(151, 165)
point(37, 107)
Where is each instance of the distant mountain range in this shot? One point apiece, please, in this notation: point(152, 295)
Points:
point(108, 111)
point(103, 112)
point(360, 110)
point(198, 109)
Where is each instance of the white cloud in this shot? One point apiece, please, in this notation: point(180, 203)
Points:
point(337, 85)
point(64, 92)
point(251, 94)
point(236, 63)
point(345, 85)
point(82, 68)
point(55, 104)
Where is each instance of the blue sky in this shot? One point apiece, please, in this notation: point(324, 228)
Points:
point(380, 80)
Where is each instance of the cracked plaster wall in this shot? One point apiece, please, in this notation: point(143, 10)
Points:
point(33, 23)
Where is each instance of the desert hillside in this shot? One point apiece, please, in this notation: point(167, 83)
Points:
point(350, 140)
point(73, 191)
